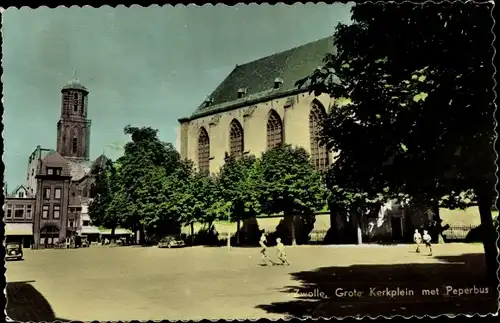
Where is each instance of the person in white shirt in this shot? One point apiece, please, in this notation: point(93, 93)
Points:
point(427, 240)
point(417, 238)
point(263, 250)
point(280, 247)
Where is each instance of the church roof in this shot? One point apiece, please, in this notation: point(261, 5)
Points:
point(100, 161)
point(74, 84)
point(257, 78)
point(78, 168)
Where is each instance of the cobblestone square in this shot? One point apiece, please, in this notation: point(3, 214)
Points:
point(125, 283)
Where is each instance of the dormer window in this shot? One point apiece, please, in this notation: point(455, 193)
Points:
point(21, 194)
point(54, 171)
point(208, 102)
point(278, 82)
point(241, 93)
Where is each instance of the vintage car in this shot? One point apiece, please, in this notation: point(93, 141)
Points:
point(171, 241)
point(13, 250)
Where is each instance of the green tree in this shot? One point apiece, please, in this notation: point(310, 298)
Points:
point(289, 184)
point(239, 188)
point(145, 167)
point(104, 209)
point(415, 119)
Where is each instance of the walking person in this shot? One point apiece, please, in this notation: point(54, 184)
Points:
point(263, 251)
point(280, 247)
point(417, 238)
point(427, 240)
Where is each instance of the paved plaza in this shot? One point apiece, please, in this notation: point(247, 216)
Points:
point(125, 283)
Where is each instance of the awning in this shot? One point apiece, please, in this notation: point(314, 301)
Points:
point(18, 229)
point(90, 230)
point(117, 231)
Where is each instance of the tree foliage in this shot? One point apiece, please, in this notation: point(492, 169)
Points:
point(288, 183)
point(103, 209)
point(415, 119)
point(238, 186)
point(419, 115)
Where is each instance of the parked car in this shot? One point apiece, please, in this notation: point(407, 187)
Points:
point(13, 250)
point(171, 241)
point(123, 241)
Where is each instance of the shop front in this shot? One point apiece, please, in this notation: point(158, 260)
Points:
point(19, 232)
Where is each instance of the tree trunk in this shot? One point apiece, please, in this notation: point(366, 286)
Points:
point(438, 229)
point(238, 228)
point(359, 232)
point(294, 242)
point(489, 235)
point(141, 234)
point(192, 233)
point(113, 240)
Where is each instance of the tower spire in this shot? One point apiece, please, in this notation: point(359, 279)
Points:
point(74, 74)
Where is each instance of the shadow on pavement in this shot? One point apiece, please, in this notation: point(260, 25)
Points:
point(25, 304)
point(317, 293)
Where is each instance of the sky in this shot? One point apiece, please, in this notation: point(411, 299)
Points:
point(142, 66)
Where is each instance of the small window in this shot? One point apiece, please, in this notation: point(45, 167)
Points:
point(19, 212)
point(50, 171)
point(58, 171)
point(9, 211)
point(75, 145)
point(32, 172)
point(45, 212)
point(56, 212)
point(75, 96)
point(75, 107)
point(57, 193)
point(29, 214)
point(71, 223)
point(20, 194)
point(86, 223)
point(46, 193)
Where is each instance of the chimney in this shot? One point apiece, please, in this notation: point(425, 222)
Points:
point(242, 92)
point(278, 82)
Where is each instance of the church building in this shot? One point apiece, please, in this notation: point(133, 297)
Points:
point(258, 106)
point(59, 184)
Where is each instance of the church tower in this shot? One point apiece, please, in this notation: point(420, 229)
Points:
point(73, 128)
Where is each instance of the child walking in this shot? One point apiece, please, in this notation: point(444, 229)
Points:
point(280, 247)
point(263, 251)
point(417, 238)
point(427, 241)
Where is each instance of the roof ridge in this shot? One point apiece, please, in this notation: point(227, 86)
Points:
point(259, 75)
point(283, 51)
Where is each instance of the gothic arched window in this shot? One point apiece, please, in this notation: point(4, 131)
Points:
point(319, 153)
point(274, 130)
point(203, 151)
point(75, 145)
point(236, 143)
